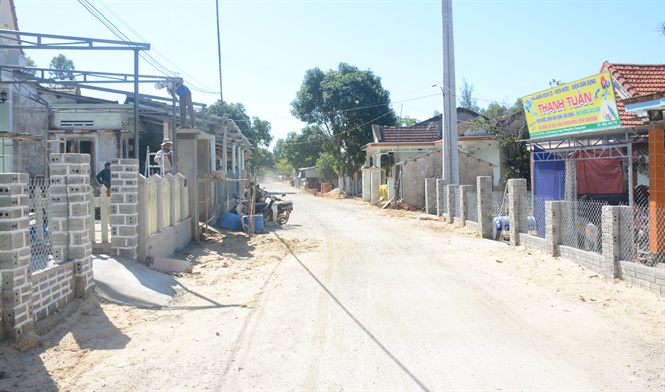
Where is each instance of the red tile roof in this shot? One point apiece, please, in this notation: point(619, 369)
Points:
point(408, 134)
point(636, 79)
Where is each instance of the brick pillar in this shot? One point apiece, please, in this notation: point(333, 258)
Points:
point(657, 194)
point(367, 186)
point(451, 191)
point(440, 197)
point(612, 222)
point(125, 208)
point(484, 191)
point(552, 227)
point(375, 183)
point(463, 190)
point(516, 190)
point(69, 220)
point(430, 196)
point(15, 257)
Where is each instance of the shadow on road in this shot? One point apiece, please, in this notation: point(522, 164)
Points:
point(355, 320)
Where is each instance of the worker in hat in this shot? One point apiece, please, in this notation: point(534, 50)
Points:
point(104, 178)
point(164, 157)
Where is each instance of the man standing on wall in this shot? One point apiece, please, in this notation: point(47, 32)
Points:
point(186, 104)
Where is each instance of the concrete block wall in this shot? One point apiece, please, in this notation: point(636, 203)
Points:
point(533, 242)
point(611, 246)
point(645, 277)
point(590, 260)
point(15, 257)
point(125, 208)
point(484, 190)
point(53, 288)
point(451, 192)
point(516, 191)
point(430, 196)
point(440, 197)
point(69, 217)
point(463, 200)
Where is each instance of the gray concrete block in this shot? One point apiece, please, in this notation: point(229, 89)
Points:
point(14, 178)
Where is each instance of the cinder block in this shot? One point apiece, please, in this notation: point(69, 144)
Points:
point(14, 240)
point(14, 178)
point(14, 201)
point(76, 158)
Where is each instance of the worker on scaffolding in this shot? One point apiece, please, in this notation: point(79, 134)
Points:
point(186, 104)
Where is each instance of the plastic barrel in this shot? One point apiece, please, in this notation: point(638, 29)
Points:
point(230, 221)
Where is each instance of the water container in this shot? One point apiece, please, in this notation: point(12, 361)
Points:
point(258, 223)
point(531, 225)
point(230, 221)
point(501, 228)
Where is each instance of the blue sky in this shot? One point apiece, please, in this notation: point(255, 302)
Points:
point(504, 49)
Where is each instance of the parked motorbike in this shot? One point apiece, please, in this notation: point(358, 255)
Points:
point(284, 209)
point(266, 207)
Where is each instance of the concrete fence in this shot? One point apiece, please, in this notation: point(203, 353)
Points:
point(163, 204)
point(27, 297)
point(614, 234)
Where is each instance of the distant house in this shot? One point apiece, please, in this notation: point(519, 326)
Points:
point(308, 178)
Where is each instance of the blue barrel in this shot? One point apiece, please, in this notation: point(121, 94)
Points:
point(258, 222)
point(230, 221)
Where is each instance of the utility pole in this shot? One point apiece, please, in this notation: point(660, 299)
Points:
point(449, 115)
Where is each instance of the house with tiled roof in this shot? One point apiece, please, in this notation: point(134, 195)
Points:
point(633, 80)
point(420, 145)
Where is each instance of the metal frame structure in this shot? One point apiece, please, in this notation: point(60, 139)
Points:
point(20, 40)
point(610, 143)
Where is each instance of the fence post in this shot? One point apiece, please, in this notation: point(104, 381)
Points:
point(552, 227)
point(375, 183)
point(440, 197)
point(104, 212)
point(516, 190)
point(611, 224)
point(463, 190)
point(430, 196)
point(484, 191)
point(71, 203)
point(125, 208)
point(15, 257)
point(450, 202)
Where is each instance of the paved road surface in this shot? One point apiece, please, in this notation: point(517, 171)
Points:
point(383, 305)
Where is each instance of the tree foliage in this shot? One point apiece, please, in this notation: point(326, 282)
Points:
point(406, 121)
point(326, 167)
point(256, 131)
point(29, 62)
point(344, 102)
point(64, 66)
point(509, 131)
point(301, 149)
point(466, 99)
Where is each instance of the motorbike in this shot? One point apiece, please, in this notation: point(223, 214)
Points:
point(283, 209)
point(267, 207)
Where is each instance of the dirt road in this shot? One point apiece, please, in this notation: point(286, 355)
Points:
point(350, 297)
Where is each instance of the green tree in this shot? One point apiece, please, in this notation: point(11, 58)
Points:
point(64, 66)
point(235, 112)
point(29, 62)
point(494, 110)
point(406, 121)
point(326, 167)
point(511, 131)
point(466, 99)
point(345, 103)
point(257, 131)
point(302, 149)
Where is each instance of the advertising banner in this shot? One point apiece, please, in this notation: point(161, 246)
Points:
point(583, 105)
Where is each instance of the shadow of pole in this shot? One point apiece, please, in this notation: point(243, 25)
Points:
point(355, 320)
